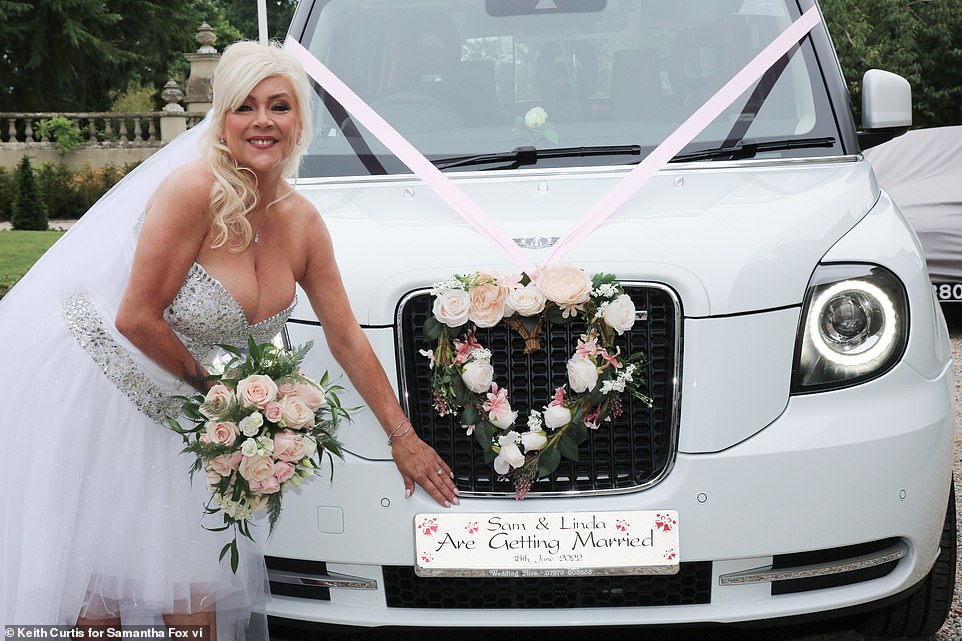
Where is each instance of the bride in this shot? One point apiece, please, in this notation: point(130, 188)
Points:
point(101, 525)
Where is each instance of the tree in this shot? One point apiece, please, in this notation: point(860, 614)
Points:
point(243, 14)
point(67, 55)
point(29, 210)
point(921, 41)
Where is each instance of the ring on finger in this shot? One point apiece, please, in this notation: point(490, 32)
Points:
point(439, 472)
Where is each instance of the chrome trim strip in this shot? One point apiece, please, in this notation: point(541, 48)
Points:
point(329, 580)
point(533, 174)
point(676, 399)
point(768, 575)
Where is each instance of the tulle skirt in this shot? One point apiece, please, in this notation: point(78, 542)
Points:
point(99, 515)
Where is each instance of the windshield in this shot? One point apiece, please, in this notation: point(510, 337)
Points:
point(496, 84)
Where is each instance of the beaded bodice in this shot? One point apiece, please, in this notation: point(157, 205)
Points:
point(203, 314)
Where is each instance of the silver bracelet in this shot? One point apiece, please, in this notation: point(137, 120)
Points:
point(393, 435)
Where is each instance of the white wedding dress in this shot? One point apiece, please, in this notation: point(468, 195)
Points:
point(98, 516)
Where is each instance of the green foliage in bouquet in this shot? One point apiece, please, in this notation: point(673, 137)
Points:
point(262, 427)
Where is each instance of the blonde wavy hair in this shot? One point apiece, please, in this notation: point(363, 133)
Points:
point(234, 192)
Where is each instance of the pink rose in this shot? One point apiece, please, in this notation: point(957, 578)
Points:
point(295, 413)
point(285, 388)
point(256, 468)
point(213, 480)
point(487, 296)
point(225, 464)
point(216, 401)
point(288, 446)
point(566, 286)
point(273, 412)
point(270, 485)
point(311, 394)
point(258, 390)
point(222, 432)
point(283, 471)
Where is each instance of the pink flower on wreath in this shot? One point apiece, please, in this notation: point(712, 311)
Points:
point(588, 346)
point(487, 296)
point(463, 349)
point(610, 359)
point(497, 400)
point(558, 398)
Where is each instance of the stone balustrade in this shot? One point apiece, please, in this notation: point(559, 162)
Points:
point(97, 129)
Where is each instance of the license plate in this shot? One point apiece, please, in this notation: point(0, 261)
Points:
point(546, 544)
point(948, 292)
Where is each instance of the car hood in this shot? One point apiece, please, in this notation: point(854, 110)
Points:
point(728, 237)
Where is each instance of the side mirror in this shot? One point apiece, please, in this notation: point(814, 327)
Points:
point(886, 107)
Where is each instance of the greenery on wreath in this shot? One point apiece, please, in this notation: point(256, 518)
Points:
point(598, 373)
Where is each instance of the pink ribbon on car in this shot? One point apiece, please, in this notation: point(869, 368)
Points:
point(471, 212)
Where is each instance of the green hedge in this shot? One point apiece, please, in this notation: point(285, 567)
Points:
point(67, 192)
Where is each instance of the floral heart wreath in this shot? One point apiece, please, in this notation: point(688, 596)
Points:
point(463, 379)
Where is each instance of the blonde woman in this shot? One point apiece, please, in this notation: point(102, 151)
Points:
point(107, 527)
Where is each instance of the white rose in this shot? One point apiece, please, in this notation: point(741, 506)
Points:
point(535, 117)
point(556, 416)
point(478, 376)
point(619, 314)
point(251, 425)
point(582, 374)
point(527, 300)
point(451, 307)
point(249, 447)
point(565, 285)
point(510, 455)
point(503, 419)
point(533, 440)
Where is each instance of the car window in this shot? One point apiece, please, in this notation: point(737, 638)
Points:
point(466, 78)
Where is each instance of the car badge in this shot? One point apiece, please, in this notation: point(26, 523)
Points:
point(536, 242)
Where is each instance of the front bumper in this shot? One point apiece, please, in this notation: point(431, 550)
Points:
point(837, 469)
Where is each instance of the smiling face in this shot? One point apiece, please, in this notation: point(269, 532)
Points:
point(262, 132)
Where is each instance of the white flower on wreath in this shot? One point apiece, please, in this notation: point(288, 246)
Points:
point(582, 373)
point(619, 314)
point(525, 301)
point(510, 455)
point(451, 307)
point(533, 440)
point(556, 416)
point(478, 375)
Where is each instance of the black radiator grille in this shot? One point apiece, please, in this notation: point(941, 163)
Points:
point(691, 586)
point(632, 451)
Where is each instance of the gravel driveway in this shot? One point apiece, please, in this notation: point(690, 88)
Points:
point(815, 632)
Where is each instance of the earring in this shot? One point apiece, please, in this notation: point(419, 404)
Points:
point(222, 141)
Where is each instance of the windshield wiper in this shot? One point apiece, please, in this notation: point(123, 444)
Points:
point(530, 155)
point(748, 148)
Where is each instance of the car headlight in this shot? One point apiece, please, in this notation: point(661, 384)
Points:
point(854, 327)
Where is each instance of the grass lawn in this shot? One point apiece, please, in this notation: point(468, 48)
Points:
point(19, 250)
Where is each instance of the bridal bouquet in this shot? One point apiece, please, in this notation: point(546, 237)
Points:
point(262, 427)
